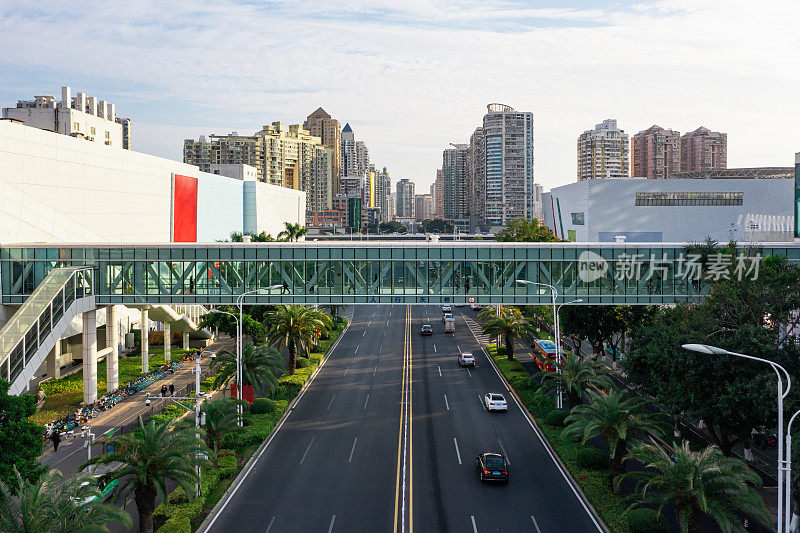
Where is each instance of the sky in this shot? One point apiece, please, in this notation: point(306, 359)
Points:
point(413, 76)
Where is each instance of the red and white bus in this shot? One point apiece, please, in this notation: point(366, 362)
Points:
point(544, 353)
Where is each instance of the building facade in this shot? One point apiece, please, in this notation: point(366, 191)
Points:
point(603, 152)
point(456, 182)
point(405, 199)
point(81, 116)
point(331, 219)
point(287, 157)
point(703, 149)
point(438, 195)
point(320, 124)
point(656, 153)
point(355, 155)
point(675, 210)
point(423, 207)
point(509, 164)
point(477, 171)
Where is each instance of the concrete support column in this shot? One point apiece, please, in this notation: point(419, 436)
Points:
point(167, 342)
point(145, 340)
point(186, 340)
point(89, 342)
point(112, 341)
point(54, 361)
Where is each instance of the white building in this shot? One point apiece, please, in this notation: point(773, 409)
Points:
point(603, 152)
point(80, 116)
point(676, 210)
point(55, 188)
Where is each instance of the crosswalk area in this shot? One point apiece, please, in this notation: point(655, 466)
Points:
point(476, 330)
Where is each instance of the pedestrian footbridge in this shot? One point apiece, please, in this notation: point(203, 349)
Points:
point(55, 282)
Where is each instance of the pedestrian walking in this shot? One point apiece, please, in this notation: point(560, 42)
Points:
point(55, 436)
point(164, 389)
point(172, 389)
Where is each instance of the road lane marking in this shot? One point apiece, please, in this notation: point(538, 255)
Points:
point(446, 404)
point(369, 323)
point(333, 519)
point(458, 453)
point(347, 370)
point(357, 347)
point(505, 453)
point(483, 404)
point(434, 348)
point(468, 372)
point(404, 480)
point(350, 460)
point(440, 370)
point(270, 524)
point(474, 527)
point(376, 370)
point(459, 348)
point(365, 332)
point(331, 402)
point(387, 322)
point(535, 524)
point(307, 449)
point(365, 401)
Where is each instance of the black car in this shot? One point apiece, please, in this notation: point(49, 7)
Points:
point(426, 330)
point(492, 467)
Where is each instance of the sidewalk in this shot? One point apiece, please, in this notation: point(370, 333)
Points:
point(72, 453)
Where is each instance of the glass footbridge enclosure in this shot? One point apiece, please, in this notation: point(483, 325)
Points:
point(356, 272)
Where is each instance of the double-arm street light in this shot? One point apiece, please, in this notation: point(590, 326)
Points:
point(784, 452)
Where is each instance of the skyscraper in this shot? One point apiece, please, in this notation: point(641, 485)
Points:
point(405, 199)
point(320, 124)
point(455, 170)
point(423, 207)
point(603, 152)
point(355, 155)
point(703, 149)
point(438, 194)
point(508, 145)
point(477, 171)
point(656, 153)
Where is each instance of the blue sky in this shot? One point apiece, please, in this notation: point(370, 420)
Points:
point(412, 77)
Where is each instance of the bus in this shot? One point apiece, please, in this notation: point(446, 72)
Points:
point(544, 353)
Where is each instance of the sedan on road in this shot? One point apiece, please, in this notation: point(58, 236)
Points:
point(426, 330)
point(447, 309)
point(495, 402)
point(492, 466)
point(466, 359)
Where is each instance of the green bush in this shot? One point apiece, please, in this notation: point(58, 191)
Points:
point(262, 406)
point(233, 438)
point(303, 362)
point(592, 458)
point(556, 418)
point(646, 521)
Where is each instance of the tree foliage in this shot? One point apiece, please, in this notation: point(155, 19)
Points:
point(293, 232)
point(55, 505)
point(437, 225)
point(526, 231)
point(730, 394)
point(509, 324)
point(221, 416)
point(698, 484)
point(296, 327)
point(252, 327)
point(261, 367)
point(20, 439)
point(596, 323)
point(151, 456)
point(577, 375)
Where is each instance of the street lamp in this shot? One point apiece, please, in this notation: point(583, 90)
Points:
point(784, 464)
point(554, 295)
point(239, 421)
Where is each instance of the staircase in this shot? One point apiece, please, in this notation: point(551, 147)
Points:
point(26, 339)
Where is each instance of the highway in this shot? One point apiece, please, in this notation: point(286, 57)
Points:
point(385, 440)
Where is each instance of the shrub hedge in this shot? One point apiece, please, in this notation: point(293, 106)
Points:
point(646, 521)
point(556, 418)
point(262, 406)
point(592, 458)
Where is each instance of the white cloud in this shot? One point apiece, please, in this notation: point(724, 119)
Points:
point(412, 77)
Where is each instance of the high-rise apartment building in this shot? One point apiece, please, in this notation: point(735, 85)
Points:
point(703, 149)
point(438, 194)
point(355, 155)
point(423, 207)
point(405, 199)
point(538, 207)
point(603, 152)
point(290, 157)
point(508, 189)
point(456, 171)
point(320, 124)
point(80, 116)
point(477, 171)
point(656, 153)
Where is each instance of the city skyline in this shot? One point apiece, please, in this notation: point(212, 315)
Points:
point(409, 77)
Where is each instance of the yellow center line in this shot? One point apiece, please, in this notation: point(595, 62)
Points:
point(400, 442)
point(410, 430)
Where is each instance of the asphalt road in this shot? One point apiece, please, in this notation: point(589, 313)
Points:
point(385, 440)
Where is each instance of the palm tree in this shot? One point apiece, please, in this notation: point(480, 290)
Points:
point(698, 484)
point(56, 506)
point(221, 416)
point(576, 377)
point(296, 327)
point(616, 418)
point(509, 324)
point(261, 367)
point(150, 457)
point(293, 232)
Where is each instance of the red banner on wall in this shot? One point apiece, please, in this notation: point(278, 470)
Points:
point(248, 394)
point(184, 209)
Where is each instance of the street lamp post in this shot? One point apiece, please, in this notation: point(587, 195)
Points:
point(558, 321)
point(784, 463)
point(239, 421)
point(554, 295)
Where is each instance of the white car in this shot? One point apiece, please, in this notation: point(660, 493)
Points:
point(495, 402)
point(447, 309)
point(475, 307)
point(466, 359)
